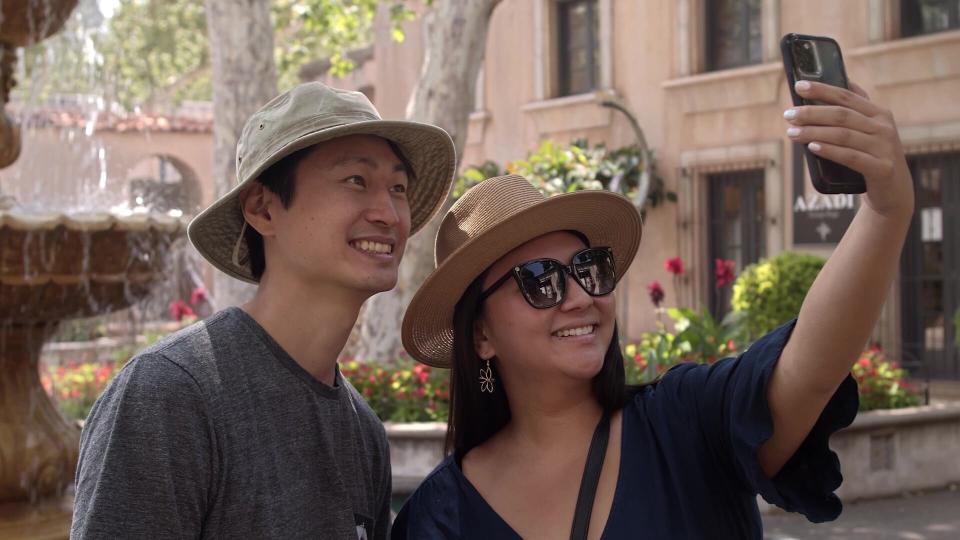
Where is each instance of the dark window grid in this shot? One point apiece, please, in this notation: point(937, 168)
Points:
point(919, 17)
point(938, 184)
point(577, 47)
point(750, 246)
point(736, 41)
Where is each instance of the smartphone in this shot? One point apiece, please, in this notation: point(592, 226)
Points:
point(817, 58)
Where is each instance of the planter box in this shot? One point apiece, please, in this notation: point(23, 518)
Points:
point(889, 452)
point(882, 453)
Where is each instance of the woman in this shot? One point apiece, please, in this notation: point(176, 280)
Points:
point(520, 309)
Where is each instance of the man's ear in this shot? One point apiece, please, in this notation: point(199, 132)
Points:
point(255, 202)
point(481, 342)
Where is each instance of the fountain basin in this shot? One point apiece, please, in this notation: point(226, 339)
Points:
point(55, 267)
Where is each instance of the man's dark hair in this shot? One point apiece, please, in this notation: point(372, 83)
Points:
point(280, 179)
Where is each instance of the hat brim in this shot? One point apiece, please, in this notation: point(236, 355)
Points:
point(429, 149)
point(607, 219)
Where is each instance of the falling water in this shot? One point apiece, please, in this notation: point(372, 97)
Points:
point(60, 266)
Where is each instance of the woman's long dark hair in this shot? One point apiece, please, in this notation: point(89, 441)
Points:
point(474, 415)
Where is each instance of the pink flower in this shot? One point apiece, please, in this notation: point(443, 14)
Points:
point(198, 295)
point(179, 309)
point(724, 272)
point(674, 266)
point(656, 293)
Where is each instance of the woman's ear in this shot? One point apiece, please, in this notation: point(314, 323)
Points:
point(481, 343)
point(255, 203)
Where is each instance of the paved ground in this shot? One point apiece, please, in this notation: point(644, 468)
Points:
point(928, 516)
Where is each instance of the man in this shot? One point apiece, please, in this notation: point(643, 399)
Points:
point(241, 426)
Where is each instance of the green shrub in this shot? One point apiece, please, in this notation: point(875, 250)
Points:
point(770, 292)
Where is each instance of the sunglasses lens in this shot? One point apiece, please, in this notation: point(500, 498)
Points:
point(595, 271)
point(542, 283)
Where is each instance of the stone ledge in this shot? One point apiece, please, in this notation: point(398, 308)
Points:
point(925, 414)
point(415, 430)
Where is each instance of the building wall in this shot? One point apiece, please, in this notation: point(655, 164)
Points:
point(62, 167)
point(697, 122)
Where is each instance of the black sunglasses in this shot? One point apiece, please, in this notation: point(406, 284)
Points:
point(543, 284)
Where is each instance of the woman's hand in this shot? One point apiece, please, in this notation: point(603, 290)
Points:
point(851, 130)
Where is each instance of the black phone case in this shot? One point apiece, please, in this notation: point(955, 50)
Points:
point(827, 176)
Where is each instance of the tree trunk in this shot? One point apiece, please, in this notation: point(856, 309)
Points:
point(244, 78)
point(456, 37)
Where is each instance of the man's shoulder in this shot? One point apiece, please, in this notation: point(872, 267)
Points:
point(191, 350)
point(197, 341)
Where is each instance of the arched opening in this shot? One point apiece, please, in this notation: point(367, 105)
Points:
point(164, 184)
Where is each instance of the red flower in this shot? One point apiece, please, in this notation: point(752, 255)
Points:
point(724, 272)
point(640, 361)
point(656, 293)
point(422, 372)
point(179, 310)
point(674, 266)
point(198, 295)
point(864, 363)
point(103, 373)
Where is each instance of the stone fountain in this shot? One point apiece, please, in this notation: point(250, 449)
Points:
point(53, 266)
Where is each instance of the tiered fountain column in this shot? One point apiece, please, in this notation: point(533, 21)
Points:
point(53, 266)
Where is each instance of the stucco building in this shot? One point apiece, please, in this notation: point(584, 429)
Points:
point(705, 82)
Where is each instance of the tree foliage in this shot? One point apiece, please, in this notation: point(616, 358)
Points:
point(154, 53)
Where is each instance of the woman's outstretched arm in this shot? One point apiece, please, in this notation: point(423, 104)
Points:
point(843, 304)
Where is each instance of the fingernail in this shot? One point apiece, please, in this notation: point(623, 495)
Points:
point(814, 147)
point(802, 85)
point(790, 114)
point(793, 132)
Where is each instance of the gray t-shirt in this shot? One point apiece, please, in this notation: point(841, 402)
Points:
point(216, 432)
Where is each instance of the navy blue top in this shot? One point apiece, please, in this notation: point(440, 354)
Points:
point(688, 461)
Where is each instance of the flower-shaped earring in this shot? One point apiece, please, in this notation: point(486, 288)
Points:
point(486, 379)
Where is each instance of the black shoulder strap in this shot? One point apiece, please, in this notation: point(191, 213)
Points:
point(591, 477)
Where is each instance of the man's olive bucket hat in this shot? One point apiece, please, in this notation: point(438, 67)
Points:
point(306, 115)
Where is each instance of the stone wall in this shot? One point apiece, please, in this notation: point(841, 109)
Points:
point(882, 453)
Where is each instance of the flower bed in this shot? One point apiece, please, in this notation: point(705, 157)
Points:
point(401, 391)
point(75, 386)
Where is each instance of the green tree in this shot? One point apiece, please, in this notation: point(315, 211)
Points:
point(155, 53)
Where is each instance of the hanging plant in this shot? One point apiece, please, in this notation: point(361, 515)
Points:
point(556, 169)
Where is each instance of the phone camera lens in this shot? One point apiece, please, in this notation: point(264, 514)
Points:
point(806, 59)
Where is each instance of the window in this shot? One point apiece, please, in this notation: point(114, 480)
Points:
point(734, 37)
point(930, 268)
point(918, 17)
point(578, 50)
point(736, 227)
